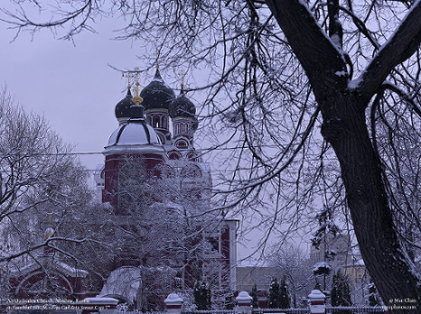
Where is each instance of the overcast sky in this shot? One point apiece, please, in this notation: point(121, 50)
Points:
point(70, 84)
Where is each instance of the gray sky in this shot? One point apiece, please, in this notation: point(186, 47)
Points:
point(70, 84)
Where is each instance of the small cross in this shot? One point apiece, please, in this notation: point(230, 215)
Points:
point(182, 75)
point(129, 76)
point(157, 54)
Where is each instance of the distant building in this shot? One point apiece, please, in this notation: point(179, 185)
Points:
point(341, 256)
point(334, 250)
point(259, 275)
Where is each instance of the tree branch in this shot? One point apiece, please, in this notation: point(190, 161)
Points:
point(317, 54)
point(403, 43)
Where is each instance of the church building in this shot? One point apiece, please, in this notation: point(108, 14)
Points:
point(158, 189)
point(144, 146)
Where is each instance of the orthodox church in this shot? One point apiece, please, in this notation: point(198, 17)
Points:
point(150, 176)
point(143, 146)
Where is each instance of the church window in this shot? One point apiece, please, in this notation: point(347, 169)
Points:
point(181, 144)
point(174, 156)
point(155, 122)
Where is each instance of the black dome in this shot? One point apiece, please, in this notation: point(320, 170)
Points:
point(182, 107)
point(157, 94)
point(122, 109)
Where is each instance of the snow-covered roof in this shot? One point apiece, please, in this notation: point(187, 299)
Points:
point(316, 294)
point(51, 264)
point(123, 282)
point(173, 299)
point(134, 133)
point(136, 136)
point(71, 271)
point(101, 301)
point(321, 265)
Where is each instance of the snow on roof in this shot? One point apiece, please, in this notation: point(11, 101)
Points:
point(170, 204)
point(134, 134)
point(101, 301)
point(316, 294)
point(124, 282)
point(71, 271)
point(51, 265)
point(25, 269)
point(319, 265)
point(173, 299)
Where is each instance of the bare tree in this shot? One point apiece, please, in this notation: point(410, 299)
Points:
point(277, 70)
point(41, 186)
point(295, 266)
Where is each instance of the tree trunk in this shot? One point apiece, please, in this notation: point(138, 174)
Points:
point(344, 127)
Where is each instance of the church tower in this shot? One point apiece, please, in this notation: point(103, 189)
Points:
point(183, 114)
point(157, 101)
point(133, 147)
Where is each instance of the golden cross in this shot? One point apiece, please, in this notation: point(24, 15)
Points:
point(137, 99)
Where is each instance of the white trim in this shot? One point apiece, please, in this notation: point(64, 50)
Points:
point(140, 148)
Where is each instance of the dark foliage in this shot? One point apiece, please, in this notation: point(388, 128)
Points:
point(202, 296)
point(340, 294)
point(254, 300)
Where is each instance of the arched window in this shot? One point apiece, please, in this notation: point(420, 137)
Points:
point(174, 155)
point(181, 144)
point(155, 122)
point(192, 156)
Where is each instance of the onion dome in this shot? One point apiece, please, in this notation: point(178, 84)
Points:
point(135, 132)
point(122, 109)
point(183, 107)
point(157, 94)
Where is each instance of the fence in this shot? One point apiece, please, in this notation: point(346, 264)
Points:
point(211, 312)
point(286, 311)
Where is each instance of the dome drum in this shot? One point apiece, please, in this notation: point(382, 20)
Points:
point(134, 136)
